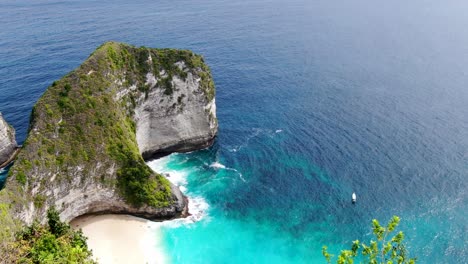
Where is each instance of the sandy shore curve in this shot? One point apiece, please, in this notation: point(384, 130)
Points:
point(122, 239)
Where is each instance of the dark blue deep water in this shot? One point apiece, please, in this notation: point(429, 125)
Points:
point(316, 99)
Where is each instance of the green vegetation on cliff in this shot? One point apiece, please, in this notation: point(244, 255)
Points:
point(82, 130)
point(55, 242)
point(82, 134)
point(135, 63)
point(79, 122)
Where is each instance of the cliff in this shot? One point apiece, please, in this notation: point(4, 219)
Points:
point(90, 131)
point(7, 141)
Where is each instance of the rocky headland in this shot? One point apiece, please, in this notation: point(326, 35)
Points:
point(92, 130)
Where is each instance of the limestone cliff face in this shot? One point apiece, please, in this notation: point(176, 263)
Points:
point(90, 129)
point(7, 140)
point(183, 122)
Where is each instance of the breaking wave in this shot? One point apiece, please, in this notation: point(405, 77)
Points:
point(198, 207)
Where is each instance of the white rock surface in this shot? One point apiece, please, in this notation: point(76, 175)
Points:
point(181, 122)
point(7, 140)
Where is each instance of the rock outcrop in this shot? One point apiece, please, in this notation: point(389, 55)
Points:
point(7, 141)
point(182, 122)
point(90, 131)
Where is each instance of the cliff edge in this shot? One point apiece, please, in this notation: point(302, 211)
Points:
point(92, 129)
point(7, 141)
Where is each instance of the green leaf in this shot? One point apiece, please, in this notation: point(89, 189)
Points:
point(355, 247)
point(393, 223)
point(378, 230)
point(326, 254)
point(387, 248)
point(398, 238)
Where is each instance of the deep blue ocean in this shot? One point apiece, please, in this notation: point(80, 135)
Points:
point(316, 99)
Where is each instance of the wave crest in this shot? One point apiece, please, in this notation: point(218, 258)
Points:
point(198, 207)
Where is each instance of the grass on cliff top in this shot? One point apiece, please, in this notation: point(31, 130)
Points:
point(79, 128)
point(134, 61)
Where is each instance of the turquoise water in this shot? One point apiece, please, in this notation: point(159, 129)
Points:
point(243, 219)
point(227, 235)
point(3, 175)
point(316, 100)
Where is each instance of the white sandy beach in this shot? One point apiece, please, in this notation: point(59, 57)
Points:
point(129, 239)
point(122, 239)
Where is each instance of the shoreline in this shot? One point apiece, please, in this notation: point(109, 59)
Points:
point(113, 237)
point(122, 238)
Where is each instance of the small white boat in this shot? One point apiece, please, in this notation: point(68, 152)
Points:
point(353, 197)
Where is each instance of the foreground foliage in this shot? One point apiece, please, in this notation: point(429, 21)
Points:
point(55, 242)
point(383, 251)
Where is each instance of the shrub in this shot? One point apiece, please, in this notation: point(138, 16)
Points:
point(57, 227)
point(383, 251)
point(55, 243)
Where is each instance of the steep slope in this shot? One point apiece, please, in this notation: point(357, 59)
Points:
point(7, 141)
point(89, 130)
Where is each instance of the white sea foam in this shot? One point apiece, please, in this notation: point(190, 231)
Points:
point(198, 207)
point(242, 178)
point(217, 165)
point(159, 165)
point(176, 177)
point(256, 132)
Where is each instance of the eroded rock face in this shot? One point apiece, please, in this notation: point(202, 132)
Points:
point(183, 122)
point(93, 198)
point(91, 130)
point(7, 140)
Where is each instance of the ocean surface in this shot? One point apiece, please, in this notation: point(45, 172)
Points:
point(316, 99)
